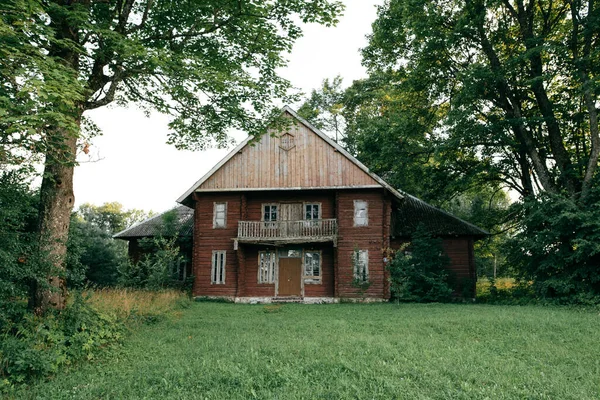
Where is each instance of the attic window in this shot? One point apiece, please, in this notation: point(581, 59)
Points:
point(287, 141)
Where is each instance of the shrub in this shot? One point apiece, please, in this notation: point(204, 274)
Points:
point(557, 248)
point(419, 271)
point(34, 346)
point(155, 270)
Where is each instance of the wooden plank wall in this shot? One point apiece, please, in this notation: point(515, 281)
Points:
point(257, 199)
point(311, 163)
point(208, 239)
point(369, 238)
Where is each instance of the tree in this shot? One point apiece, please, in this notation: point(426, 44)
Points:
point(513, 86)
point(516, 82)
point(324, 108)
point(209, 64)
point(91, 246)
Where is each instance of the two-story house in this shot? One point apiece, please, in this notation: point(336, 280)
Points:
point(292, 215)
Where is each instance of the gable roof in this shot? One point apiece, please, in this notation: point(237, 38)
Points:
point(369, 179)
point(154, 226)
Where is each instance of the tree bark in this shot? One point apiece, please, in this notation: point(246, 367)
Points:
point(56, 204)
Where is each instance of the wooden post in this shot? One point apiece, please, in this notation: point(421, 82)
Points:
point(241, 255)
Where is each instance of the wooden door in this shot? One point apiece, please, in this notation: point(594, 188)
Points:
point(291, 212)
point(290, 274)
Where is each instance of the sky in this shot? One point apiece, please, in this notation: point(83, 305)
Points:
point(131, 162)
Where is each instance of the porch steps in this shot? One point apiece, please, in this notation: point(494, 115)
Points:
point(288, 300)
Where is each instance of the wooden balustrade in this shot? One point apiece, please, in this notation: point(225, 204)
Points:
point(311, 230)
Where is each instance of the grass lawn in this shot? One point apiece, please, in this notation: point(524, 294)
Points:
point(370, 351)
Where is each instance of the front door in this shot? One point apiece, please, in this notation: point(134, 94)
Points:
point(290, 274)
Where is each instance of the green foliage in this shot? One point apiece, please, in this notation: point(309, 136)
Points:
point(419, 271)
point(33, 346)
point(557, 248)
point(324, 108)
point(156, 268)
point(93, 256)
point(512, 88)
point(211, 65)
point(21, 263)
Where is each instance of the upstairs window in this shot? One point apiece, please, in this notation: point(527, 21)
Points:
point(361, 213)
point(217, 272)
point(360, 261)
point(220, 215)
point(270, 212)
point(266, 266)
point(312, 267)
point(312, 211)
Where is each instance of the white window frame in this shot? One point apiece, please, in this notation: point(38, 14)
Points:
point(217, 271)
point(312, 279)
point(312, 205)
point(360, 265)
point(217, 224)
point(361, 221)
point(262, 217)
point(266, 273)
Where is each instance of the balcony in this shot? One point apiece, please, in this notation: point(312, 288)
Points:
point(284, 232)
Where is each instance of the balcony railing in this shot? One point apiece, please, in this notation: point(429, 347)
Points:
point(290, 231)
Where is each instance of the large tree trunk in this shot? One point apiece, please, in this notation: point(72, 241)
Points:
point(56, 204)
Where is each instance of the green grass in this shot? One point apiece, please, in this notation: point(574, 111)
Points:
point(371, 351)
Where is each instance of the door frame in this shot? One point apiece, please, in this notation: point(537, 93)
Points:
point(301, 258)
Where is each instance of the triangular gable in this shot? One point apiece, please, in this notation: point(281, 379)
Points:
point(304, 158)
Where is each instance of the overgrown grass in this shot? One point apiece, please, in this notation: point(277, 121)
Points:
point(131, 305)
point(368, 351)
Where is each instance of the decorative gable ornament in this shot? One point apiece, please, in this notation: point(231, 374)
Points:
point(287, 141)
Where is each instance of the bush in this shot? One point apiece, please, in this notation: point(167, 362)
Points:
point(155, 270)
point(34, 346)
point(419, 271)
point(557, 248)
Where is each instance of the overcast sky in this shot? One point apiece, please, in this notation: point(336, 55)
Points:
point(134, 165)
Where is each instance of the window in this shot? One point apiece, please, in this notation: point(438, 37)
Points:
point(217, 272)
point(360, 261)
point(312, 211)
point(266, 266)
point(270, 212)
point(220, 215)
point(361, 213)
point(312, 267)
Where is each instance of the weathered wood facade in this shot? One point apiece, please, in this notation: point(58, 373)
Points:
point(294, 216)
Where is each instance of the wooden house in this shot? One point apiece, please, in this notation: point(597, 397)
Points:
point(294, 216)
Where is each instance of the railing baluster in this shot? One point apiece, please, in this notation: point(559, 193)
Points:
point(313, 229)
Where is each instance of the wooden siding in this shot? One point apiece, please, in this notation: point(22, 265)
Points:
point(369, 238)
point(311, 163)
point(207, 239)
